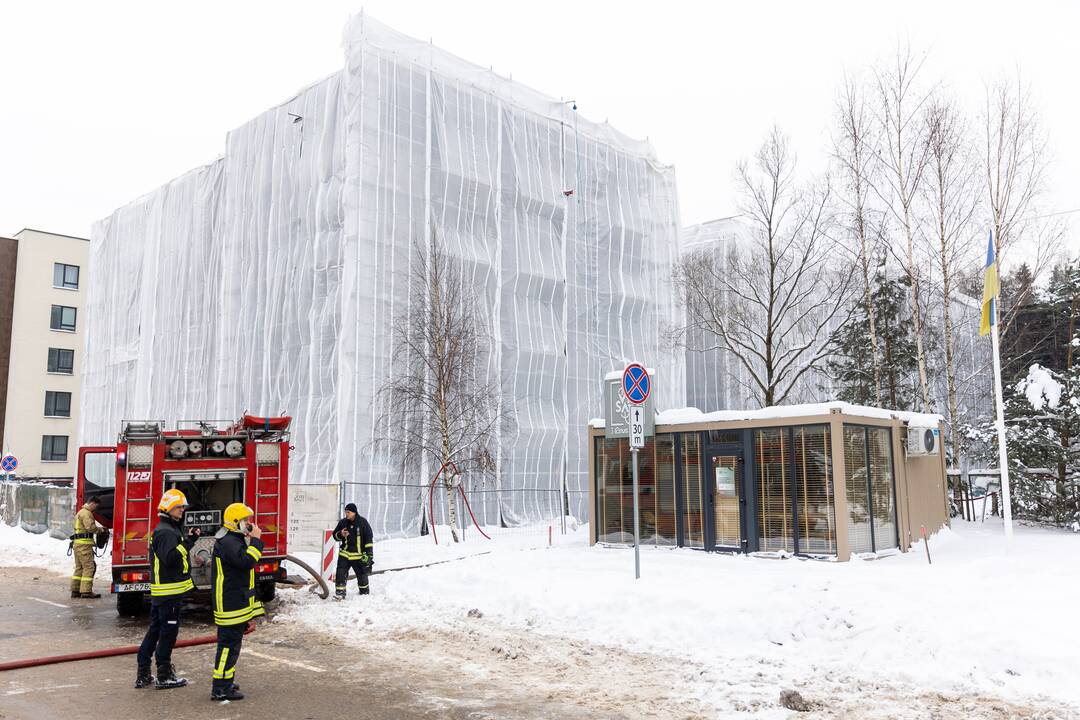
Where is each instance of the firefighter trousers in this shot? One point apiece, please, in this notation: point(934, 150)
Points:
point(229, 639)
point(161, 635)
point(82, 579)
point(341, 576)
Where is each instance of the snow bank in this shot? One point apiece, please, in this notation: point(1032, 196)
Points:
point(19, 548)
point(685, 416)
point(983, 618)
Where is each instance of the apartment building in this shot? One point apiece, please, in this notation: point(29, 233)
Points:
point(44, 351)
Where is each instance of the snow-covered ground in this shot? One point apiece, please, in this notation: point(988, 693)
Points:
point(987, 619)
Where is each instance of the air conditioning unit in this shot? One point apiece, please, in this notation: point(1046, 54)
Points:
point(922, 440)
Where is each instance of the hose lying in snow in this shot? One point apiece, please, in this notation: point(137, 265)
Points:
point(325, 589)
point(424, 565)
point(108, 652)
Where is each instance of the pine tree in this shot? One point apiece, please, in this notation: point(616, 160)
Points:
point(852, 368)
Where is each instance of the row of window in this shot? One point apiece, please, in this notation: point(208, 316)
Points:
point(700, 499)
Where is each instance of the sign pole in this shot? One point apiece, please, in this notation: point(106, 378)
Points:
point(637, 525)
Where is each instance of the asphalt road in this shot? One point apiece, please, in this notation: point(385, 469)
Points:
point(285, 672)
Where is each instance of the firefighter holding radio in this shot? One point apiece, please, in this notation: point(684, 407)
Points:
point(170, 580)
point(235, 604)
point(357, 552)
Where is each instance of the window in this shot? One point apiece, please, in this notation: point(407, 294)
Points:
point(693, 506)
point(54, 448)
point(61, 361)
point(656, 491)
point(871, 491)
point(774, 490)
point(57, 404)
point(815, 510)
point(795, 490)
point(65, 276)
point(63, 318)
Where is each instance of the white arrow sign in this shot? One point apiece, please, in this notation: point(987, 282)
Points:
point(637, 426)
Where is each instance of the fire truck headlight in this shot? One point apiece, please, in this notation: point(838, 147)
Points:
point(178, 448)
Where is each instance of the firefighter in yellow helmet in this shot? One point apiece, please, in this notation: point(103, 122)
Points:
point(170, 580)
point(82, 547)
point(235, 604)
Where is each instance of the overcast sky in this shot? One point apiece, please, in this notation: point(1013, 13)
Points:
point(105, 101)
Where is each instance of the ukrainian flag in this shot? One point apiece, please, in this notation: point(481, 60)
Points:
point(990, 289)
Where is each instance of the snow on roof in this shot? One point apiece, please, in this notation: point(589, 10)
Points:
point(686, 416)
point(617, 374)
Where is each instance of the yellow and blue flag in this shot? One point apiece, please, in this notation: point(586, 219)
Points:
point(990, 289)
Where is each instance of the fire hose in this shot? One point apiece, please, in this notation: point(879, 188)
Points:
point(107, 652)
point(324, 588)
point(132, 649)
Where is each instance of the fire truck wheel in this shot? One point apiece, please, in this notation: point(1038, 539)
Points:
point(265, 591)
point(129, 604)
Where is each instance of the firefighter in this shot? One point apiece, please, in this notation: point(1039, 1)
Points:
point(170, 580)
point(357, 552)
point(235, 605)
point(82, 543)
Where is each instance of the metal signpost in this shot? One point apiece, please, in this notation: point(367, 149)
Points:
point(636, 386)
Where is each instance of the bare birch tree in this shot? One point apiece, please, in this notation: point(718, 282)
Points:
point(442, 407)
point(951, 193)
point(775, 304)
point(904, 156)
point(854, 153)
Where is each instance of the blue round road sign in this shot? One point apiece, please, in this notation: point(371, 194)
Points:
point(636, 383)
point(9, 463)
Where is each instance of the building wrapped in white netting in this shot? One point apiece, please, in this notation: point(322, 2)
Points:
point(268, 279)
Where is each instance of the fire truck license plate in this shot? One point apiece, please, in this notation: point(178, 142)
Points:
point(132, 587)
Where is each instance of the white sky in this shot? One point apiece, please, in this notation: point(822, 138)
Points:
point(105, 101)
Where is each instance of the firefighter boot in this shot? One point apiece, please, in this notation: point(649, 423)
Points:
point(230, 692)
point(75, 594)
point(90, 595)
point(167, 678)
point(144, 678)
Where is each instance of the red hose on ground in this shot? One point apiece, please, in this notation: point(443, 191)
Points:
point(108, 652)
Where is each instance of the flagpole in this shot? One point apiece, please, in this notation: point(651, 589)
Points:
point(1003, 452)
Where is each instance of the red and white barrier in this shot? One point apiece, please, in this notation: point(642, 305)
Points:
point(329, 556)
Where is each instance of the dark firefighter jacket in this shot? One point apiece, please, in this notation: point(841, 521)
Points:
point(233, 579)
point(170, 574)
point(359, 545)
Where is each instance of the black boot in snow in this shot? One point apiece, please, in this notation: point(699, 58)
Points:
point(167, 678)
point(144, 678)
point(231, 692)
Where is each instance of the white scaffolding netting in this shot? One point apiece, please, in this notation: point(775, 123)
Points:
point(269, 279)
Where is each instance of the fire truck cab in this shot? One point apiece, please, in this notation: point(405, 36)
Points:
point(214, 464)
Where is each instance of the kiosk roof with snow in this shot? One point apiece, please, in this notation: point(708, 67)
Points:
point(826, 480)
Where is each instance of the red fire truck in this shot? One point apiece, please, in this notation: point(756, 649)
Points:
point(214, 464)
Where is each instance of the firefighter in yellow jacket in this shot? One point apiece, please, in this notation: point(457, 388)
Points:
point(82, 543)
point(235, 604)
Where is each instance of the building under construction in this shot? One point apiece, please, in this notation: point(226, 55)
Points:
point(269, 279)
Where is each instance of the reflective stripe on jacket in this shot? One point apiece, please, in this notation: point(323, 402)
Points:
point(85, 524)
point(233, 574)
point(170, 573)
point(359, 544)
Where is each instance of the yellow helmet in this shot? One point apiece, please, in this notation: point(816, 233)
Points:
point(171, 499)
point(235, 513)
